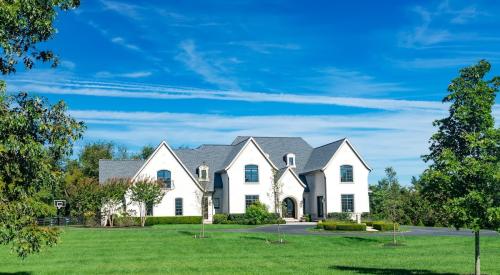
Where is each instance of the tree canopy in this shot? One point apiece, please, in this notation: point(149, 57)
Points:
point(23, 25)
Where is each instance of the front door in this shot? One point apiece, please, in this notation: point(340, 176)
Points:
point(289, 208)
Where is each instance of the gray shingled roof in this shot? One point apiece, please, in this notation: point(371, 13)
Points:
point(278, 147)
point(321, 155)
point(218, 157)
point(214, 156)
point(109, 169)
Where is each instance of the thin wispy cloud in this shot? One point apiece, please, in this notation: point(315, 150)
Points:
point(138, 74)
point(197, 62)
point(121, 90)
point(265, 47)
point(339, 81)
point(124, 9)
point(435, 26)
point(122, 42)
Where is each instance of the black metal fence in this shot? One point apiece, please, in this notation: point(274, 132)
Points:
point(60, 221)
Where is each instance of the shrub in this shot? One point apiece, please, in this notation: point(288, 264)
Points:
point(90, 219)
point(126, 221)
point(351, 226)
point(257, 213)
point(384, 226)
point(340, 216)
point(332, 225)
point(220, 219)
point(319, 225)
point(236, 218)
point(173, 220)
point(369, 223)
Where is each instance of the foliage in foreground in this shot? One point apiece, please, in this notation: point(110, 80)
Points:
point(35, 138)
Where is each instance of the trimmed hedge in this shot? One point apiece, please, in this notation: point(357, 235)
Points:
point(340, 216)
point(173, 220)
point(384, 226)
point(343, 226)
point(272, 218)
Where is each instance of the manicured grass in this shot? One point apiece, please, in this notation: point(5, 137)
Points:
point(172, 249)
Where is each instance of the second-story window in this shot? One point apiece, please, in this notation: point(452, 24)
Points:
point(251, 173)
point(203, 172)
point(346, 173)
point(165, 176)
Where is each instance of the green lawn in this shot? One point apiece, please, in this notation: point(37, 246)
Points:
point(172, 249)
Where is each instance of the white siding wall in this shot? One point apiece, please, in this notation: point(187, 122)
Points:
point(334, 188)
point(237, 186)
point(184, 186)
point(293, 189)
point(316, 181)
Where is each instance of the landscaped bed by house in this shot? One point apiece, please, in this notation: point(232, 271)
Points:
point(165, 249)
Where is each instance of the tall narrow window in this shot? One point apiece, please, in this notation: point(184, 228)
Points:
point(250, 199)
point(290, 160)
point(216, 203)
point(178, 206)
point(346, 173)
point(319, 201)
point(165, 176)
point(251, 173)
point(347, 203)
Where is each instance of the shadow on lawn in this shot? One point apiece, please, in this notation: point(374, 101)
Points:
point(368, 240)
point(188, 233)
point(253, 238)
point(387, 271)
point(15, 273)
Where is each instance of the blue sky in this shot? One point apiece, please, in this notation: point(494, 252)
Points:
point(193, 72)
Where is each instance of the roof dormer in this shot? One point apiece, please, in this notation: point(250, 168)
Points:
point(290, 160)
point(203, 172)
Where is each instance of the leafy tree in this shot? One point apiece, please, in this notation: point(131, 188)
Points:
point(146, 192)
point(145, 152)
point(392, 203)
point(463, 176)
point(82, 193)
point(23, 25)
point(90, 156)
point(35, 138)
point(112, 195)
point(122, 152)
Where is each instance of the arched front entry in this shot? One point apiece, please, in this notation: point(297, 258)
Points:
point(289, 208)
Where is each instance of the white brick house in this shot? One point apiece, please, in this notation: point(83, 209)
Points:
point(315, 181)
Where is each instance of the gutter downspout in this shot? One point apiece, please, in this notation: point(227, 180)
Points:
point(325, 213)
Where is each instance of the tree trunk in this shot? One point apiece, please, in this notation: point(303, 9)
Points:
point(393, 232)
point(477, 262)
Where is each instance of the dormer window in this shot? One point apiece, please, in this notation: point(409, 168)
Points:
point(203, 172)
point(290, 160)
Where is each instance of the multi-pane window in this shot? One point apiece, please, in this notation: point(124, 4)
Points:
point(251, 173)
point(178, 206)
point(346, 173)
point(165, 176)
point(250, 199)
point(216, 203)
point(347, 203)
point(291, 161)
